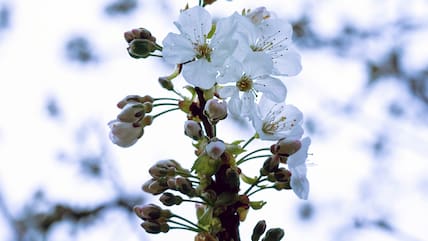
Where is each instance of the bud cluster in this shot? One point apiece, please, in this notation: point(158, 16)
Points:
point(141, 43)
point(129, 125)
point(155, 218)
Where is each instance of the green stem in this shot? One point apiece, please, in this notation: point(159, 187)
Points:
point(166, 98)
point(193, 201)
point(188, 221)
point(183, 226)
point(253, 185)
point(165, 104)
point(249, 140)
point(258, 190)
point(164, 112)
point(249, 154)
point(156, 55)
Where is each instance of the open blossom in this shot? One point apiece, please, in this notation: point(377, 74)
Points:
point(274, 121)
point(271, 36)
point(124, 134)
point(297, 166)
point(201, 56)
point(250, 77)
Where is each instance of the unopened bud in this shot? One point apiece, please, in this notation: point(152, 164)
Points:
point(147, 120)
point(286, 147)
point(215, 110)
point(134, 98)
point(270, 165)
point(155, 227)
point(131, 112)
point(148, 107)
point(124, 134)
point(164, 168)
point(184, 186)
point(142, 48)
point(274, 234)
point(215, 149)
point(258, 230)
point(169, 199)
point(148, 212)
point(155, 186)
point(166, 83)
point(282, 175)
point(193, 129)
point(138, 33)
point(282, 185)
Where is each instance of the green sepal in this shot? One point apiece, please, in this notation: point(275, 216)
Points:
point(248, 180)
point(234, 148)
point(205, 165)
point(257, 204)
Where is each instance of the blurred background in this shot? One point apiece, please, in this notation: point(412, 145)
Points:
point(363, 90)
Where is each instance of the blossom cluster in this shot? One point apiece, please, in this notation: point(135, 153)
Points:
point(233, 67)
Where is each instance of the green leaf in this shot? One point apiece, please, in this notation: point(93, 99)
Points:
point(206, 165)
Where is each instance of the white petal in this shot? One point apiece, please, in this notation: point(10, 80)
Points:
point(231, 71)
point(257, 64)
point(227, 91)
point(277, 31)
point(272, 88)
point(235, 105)
point(248, 104)
point(195, 24)
point(299, 183)
point(200, 73)
point(288, 63)
point(299, 158)
point(177, 49)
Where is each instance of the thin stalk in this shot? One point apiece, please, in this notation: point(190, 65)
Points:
point(193, 201)
point(254, 157)
point(164, 112)
point(258, 190)
point(249, 154)
point(249, 141)
point(187, 221)
point(253, 185)
point(165, 104)
point(166, 98)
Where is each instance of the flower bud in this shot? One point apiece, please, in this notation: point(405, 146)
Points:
point(270, 165)
point(215, 110)
point(184, 186)
point(258, 230)
point(142, 48)
point(193, 129)
point(166, 83)
point(232, 179)
point(215, 149)
point(169, 199)
point(286, 147)
point(138, 33)
point(164, 168)
point(134, 98)
point(155, 227)
point(124, 134)
point(282, 175)
point(274, 234)
point(148, 212)
point(282, 185)
point(155, 186)
point(131, 112)
point(147, 120)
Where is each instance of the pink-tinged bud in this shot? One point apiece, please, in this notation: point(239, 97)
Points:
point(134, 98)
point(193, 129)
point(169, 199)
point(282, 175)
point(131, 112)
point(148, 212)
point(155, 186)
point(215, 110)
point(124, 134)
point(286, 147)
point(164, 168)
point(215, 149)
point(155, 227)
point(184, 186)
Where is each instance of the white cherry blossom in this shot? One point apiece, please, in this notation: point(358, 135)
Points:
point(297, 166)
point(274, 121)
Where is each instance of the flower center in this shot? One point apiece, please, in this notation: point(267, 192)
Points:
point(245, 83)
point(273, 126)
point(203, 51)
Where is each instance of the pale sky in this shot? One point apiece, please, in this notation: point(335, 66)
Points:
point(349, 181)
